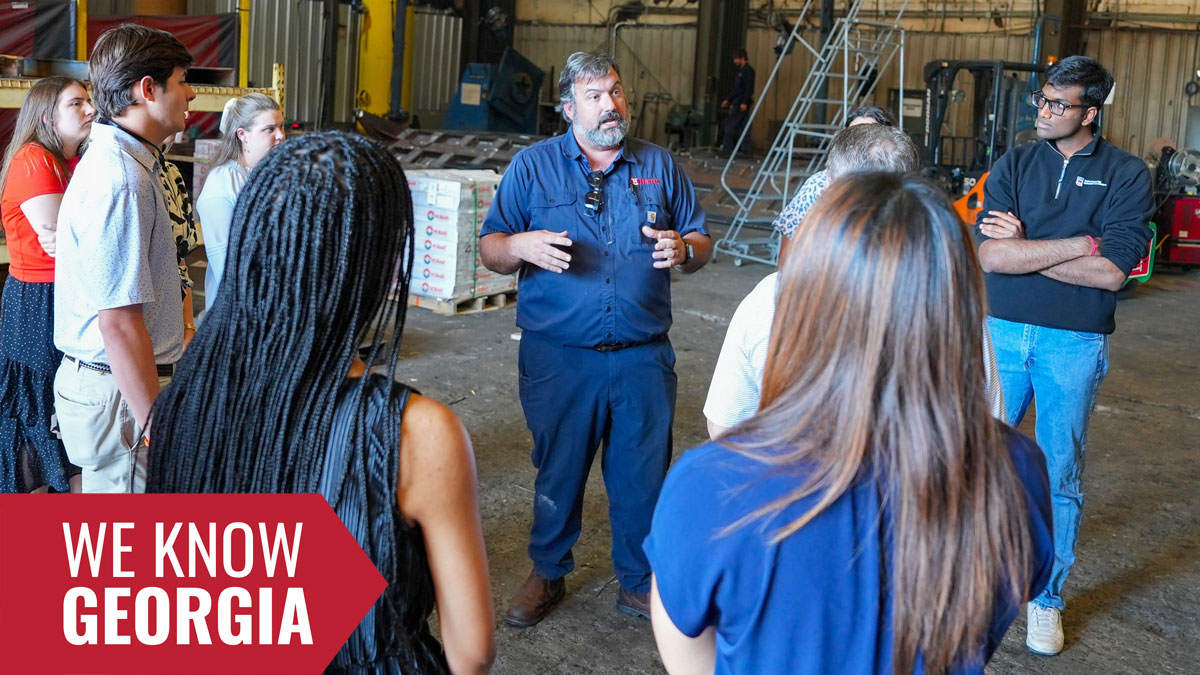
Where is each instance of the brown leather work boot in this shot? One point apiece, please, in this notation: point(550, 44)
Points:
point(633, 604)
point(534, 600)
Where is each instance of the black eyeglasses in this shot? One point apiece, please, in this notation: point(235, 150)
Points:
point(594, 201)
point(1037, 100)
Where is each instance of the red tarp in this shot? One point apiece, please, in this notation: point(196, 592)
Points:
point(46, 29)
point(212, 40)
point(41, 28)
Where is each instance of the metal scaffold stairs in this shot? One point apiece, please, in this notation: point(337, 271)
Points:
point(851, 61)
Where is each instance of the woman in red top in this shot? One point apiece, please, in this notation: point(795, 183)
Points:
point(54, 121)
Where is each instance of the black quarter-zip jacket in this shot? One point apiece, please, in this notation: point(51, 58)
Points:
point(1101, 191)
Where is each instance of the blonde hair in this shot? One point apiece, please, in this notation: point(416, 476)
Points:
point(239, 113)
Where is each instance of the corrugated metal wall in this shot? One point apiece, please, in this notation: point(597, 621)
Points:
point(1151, 69)
point(548, 47)
point(656, 64)
point(1151, 66)
point(920, 48)
point(656, 67)
point(437, 52)
point(662, 58)
point(290, 32)
point(198, 7)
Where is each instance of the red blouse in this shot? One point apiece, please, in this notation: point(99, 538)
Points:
point(34, 172)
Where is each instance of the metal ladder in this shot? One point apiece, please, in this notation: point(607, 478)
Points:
point(852, 60)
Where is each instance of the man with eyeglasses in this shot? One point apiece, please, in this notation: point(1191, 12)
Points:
point(593, 222)
point(1063, 223)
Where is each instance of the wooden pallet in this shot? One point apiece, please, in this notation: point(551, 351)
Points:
point(455, 307)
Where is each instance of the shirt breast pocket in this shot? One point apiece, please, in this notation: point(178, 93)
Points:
point(652, 208)
point(553, 212)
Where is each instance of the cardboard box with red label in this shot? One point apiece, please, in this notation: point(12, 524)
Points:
point(449, 207)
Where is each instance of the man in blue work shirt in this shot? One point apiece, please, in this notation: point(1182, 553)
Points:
point(593, 222)
point(1063, 223)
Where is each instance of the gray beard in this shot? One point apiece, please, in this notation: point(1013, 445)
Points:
point(607, 138)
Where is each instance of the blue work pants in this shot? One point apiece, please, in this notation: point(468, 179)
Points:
point(577, 400)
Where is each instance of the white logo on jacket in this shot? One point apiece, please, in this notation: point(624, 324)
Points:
point(1080, 181)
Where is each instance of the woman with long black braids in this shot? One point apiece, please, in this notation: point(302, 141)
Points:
point(319, 231)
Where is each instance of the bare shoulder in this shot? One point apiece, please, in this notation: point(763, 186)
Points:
point(424, 412)
point(436, 458)
point(429, 423)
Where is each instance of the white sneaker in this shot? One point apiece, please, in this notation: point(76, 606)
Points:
point(1043, 630)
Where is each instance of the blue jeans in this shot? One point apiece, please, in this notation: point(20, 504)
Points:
point(1063, 370)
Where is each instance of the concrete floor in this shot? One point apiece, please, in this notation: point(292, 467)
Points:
point(1133, 598)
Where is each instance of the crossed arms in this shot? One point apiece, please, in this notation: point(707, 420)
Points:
point(1073, 260)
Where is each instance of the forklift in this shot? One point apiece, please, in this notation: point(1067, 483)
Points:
point(1000, 119)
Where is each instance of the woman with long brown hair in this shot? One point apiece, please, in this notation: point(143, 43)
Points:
point(873, 516)
point(53, 124)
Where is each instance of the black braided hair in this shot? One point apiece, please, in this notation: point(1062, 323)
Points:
point(320, 233)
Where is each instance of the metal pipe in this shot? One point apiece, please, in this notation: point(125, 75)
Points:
point(328, 58)
point(1038, 27)
point(612, 36)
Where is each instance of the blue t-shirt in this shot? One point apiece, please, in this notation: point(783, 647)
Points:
point(813, 603)
point(611, 292)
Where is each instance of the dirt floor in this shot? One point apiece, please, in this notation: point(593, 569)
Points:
point(1133, 598)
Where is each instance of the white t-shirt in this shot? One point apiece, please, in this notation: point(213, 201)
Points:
point(215, 208)
point(736, 387)
point(737, 381)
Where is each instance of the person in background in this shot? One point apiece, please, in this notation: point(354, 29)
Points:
point(280, 402)
point(251, 126)
point(789, 219)
point(52, 126)
point(873, 501)
point(118, 312)
point(737, 104)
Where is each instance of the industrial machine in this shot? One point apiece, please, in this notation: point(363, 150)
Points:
point(498, 97)
point(998, 118)
point(1176, 184)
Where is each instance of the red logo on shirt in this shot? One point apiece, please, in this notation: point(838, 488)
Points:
point(645, 181)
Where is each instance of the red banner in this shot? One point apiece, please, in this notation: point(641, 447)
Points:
point(177, 583)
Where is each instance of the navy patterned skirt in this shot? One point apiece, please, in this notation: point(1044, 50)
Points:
point(31, 456)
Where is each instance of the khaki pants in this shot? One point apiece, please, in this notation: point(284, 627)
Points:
point(98, 429)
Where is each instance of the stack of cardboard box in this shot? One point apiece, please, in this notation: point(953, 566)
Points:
point(448, 209)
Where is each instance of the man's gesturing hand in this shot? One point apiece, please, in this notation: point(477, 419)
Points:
point(999, 225)
point(539, 247)
point(670, 248)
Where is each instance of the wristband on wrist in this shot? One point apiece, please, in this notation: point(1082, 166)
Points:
point(190, 326)
point(1092, 241)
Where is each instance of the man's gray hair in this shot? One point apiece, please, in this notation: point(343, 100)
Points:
point(871, 147)
point(581, 66)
